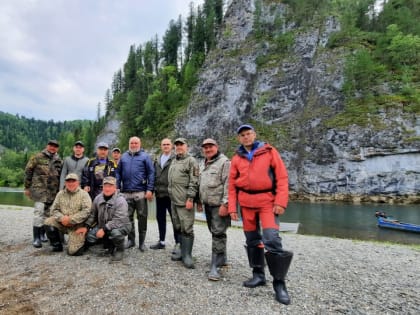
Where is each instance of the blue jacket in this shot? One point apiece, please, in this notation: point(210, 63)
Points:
point(135, 172)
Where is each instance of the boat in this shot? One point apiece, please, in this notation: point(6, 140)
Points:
point(389, 222)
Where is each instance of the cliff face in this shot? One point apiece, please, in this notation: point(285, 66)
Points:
point(291, 100)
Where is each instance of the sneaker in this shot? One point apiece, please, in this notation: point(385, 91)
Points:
point(158, 245)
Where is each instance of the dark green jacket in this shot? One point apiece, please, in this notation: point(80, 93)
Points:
point(161, 177)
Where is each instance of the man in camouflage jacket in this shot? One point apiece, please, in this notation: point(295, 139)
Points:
point(42, 180)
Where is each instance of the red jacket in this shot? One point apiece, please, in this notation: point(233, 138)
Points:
point(258, 182)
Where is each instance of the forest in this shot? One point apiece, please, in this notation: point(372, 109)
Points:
point(154, 84)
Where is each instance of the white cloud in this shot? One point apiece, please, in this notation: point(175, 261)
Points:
point(58, 57)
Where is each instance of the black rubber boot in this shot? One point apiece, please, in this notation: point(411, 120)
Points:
point(142, 237)
point(54, 237)
point(214, 273)
point(42, 235)
point(37, 237)
point(176, 253)
point(256, 262)
point(278, 264)
point(222, 260)
point(186, 250)
point(119, 252)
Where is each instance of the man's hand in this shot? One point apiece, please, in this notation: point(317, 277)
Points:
point(149, 195)
point(278, 209)
point(189, 204)
point(65, 220)
point(87, 188)
point(27, 193)
point(199, 207)
point(100, 233)
point(81, 230)
point(234, 216)
point(223, 210)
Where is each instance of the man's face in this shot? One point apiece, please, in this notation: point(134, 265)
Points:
point(71, 184)
point(102, 153)
point(78, 150)
point(209, 150)
point(166, 146)
point(116, 155)
point(134, 144)
point(52, 148)
point(109, 189)
point(181, 148)
point(247, 137)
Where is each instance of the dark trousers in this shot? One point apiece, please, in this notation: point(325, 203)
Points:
point(162, 205)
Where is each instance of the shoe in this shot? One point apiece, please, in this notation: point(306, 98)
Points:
point(142, 248)
point(118, 255)
point(130, 244)
point(158, 245)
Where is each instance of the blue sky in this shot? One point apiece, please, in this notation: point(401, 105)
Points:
point(58, 57)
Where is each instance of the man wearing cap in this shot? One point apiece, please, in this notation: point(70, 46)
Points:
point(258, 182)
point(214, 173)
point(163, 202)
point(116, 155)
point(108, 221)
point(74, 163)
point(69, 211)
point(96, 169)
point(183, 188)
point(42, 181)
point(135, 179)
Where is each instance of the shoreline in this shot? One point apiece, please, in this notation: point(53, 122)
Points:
point(327, 276)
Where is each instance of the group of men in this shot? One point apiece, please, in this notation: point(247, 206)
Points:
point(98, 199)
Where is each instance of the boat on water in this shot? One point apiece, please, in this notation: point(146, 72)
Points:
point(389, 222)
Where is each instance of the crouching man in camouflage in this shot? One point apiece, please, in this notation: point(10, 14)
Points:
point(108, 221)
point(70, 210)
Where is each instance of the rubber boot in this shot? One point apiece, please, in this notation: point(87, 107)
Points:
point(54, 237)
point(42, 235)
point(214, 273)
point(142, 237)
point(278, 264)
point(256, 262)
point(176, 253)
point(186, 249)
point(118, 253)
point(221, 260)
point(37, 234)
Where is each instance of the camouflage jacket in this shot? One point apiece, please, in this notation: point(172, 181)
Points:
point(42, 176)
point(214, 180)
point(183, 179)
point(76, 204)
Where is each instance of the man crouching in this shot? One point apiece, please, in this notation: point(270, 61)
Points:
point(108, 221)
point(69, 211)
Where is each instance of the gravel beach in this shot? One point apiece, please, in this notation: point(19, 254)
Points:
point(327, 276)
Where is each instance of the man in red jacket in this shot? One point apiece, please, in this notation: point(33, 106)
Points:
point(258, 182)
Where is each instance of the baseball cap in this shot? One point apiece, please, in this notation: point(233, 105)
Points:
point(72, 176)
point(110, 180)
point(209, 141)
point(244, 127)
point(116, 149)
point(102, 145)
point(53, 142)
point(180, 140)
point(79, 143)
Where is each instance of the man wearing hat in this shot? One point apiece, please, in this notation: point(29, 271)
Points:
point(183, 188)
point(69, 211)
point(116, 155)
point(96, 169)
point(108, 221)
point(214, 173)
point(258, 182)
point(42, 181)
point(74, 163)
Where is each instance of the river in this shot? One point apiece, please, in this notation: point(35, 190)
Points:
point(340, 220)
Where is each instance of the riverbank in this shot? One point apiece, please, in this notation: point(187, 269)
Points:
point(327, 276)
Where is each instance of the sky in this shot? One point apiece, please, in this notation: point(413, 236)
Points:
point(58, 57)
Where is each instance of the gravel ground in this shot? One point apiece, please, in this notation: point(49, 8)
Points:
point(327, 276)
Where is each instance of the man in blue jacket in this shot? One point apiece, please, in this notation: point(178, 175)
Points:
point(135, 179)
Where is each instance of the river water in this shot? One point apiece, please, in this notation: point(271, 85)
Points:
point(340, 220)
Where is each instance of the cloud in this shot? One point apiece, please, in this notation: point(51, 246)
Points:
point(58, 57)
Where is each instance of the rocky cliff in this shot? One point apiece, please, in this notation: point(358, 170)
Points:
point(289, 94)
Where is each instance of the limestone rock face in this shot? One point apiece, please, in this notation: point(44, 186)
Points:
point(243, 81)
